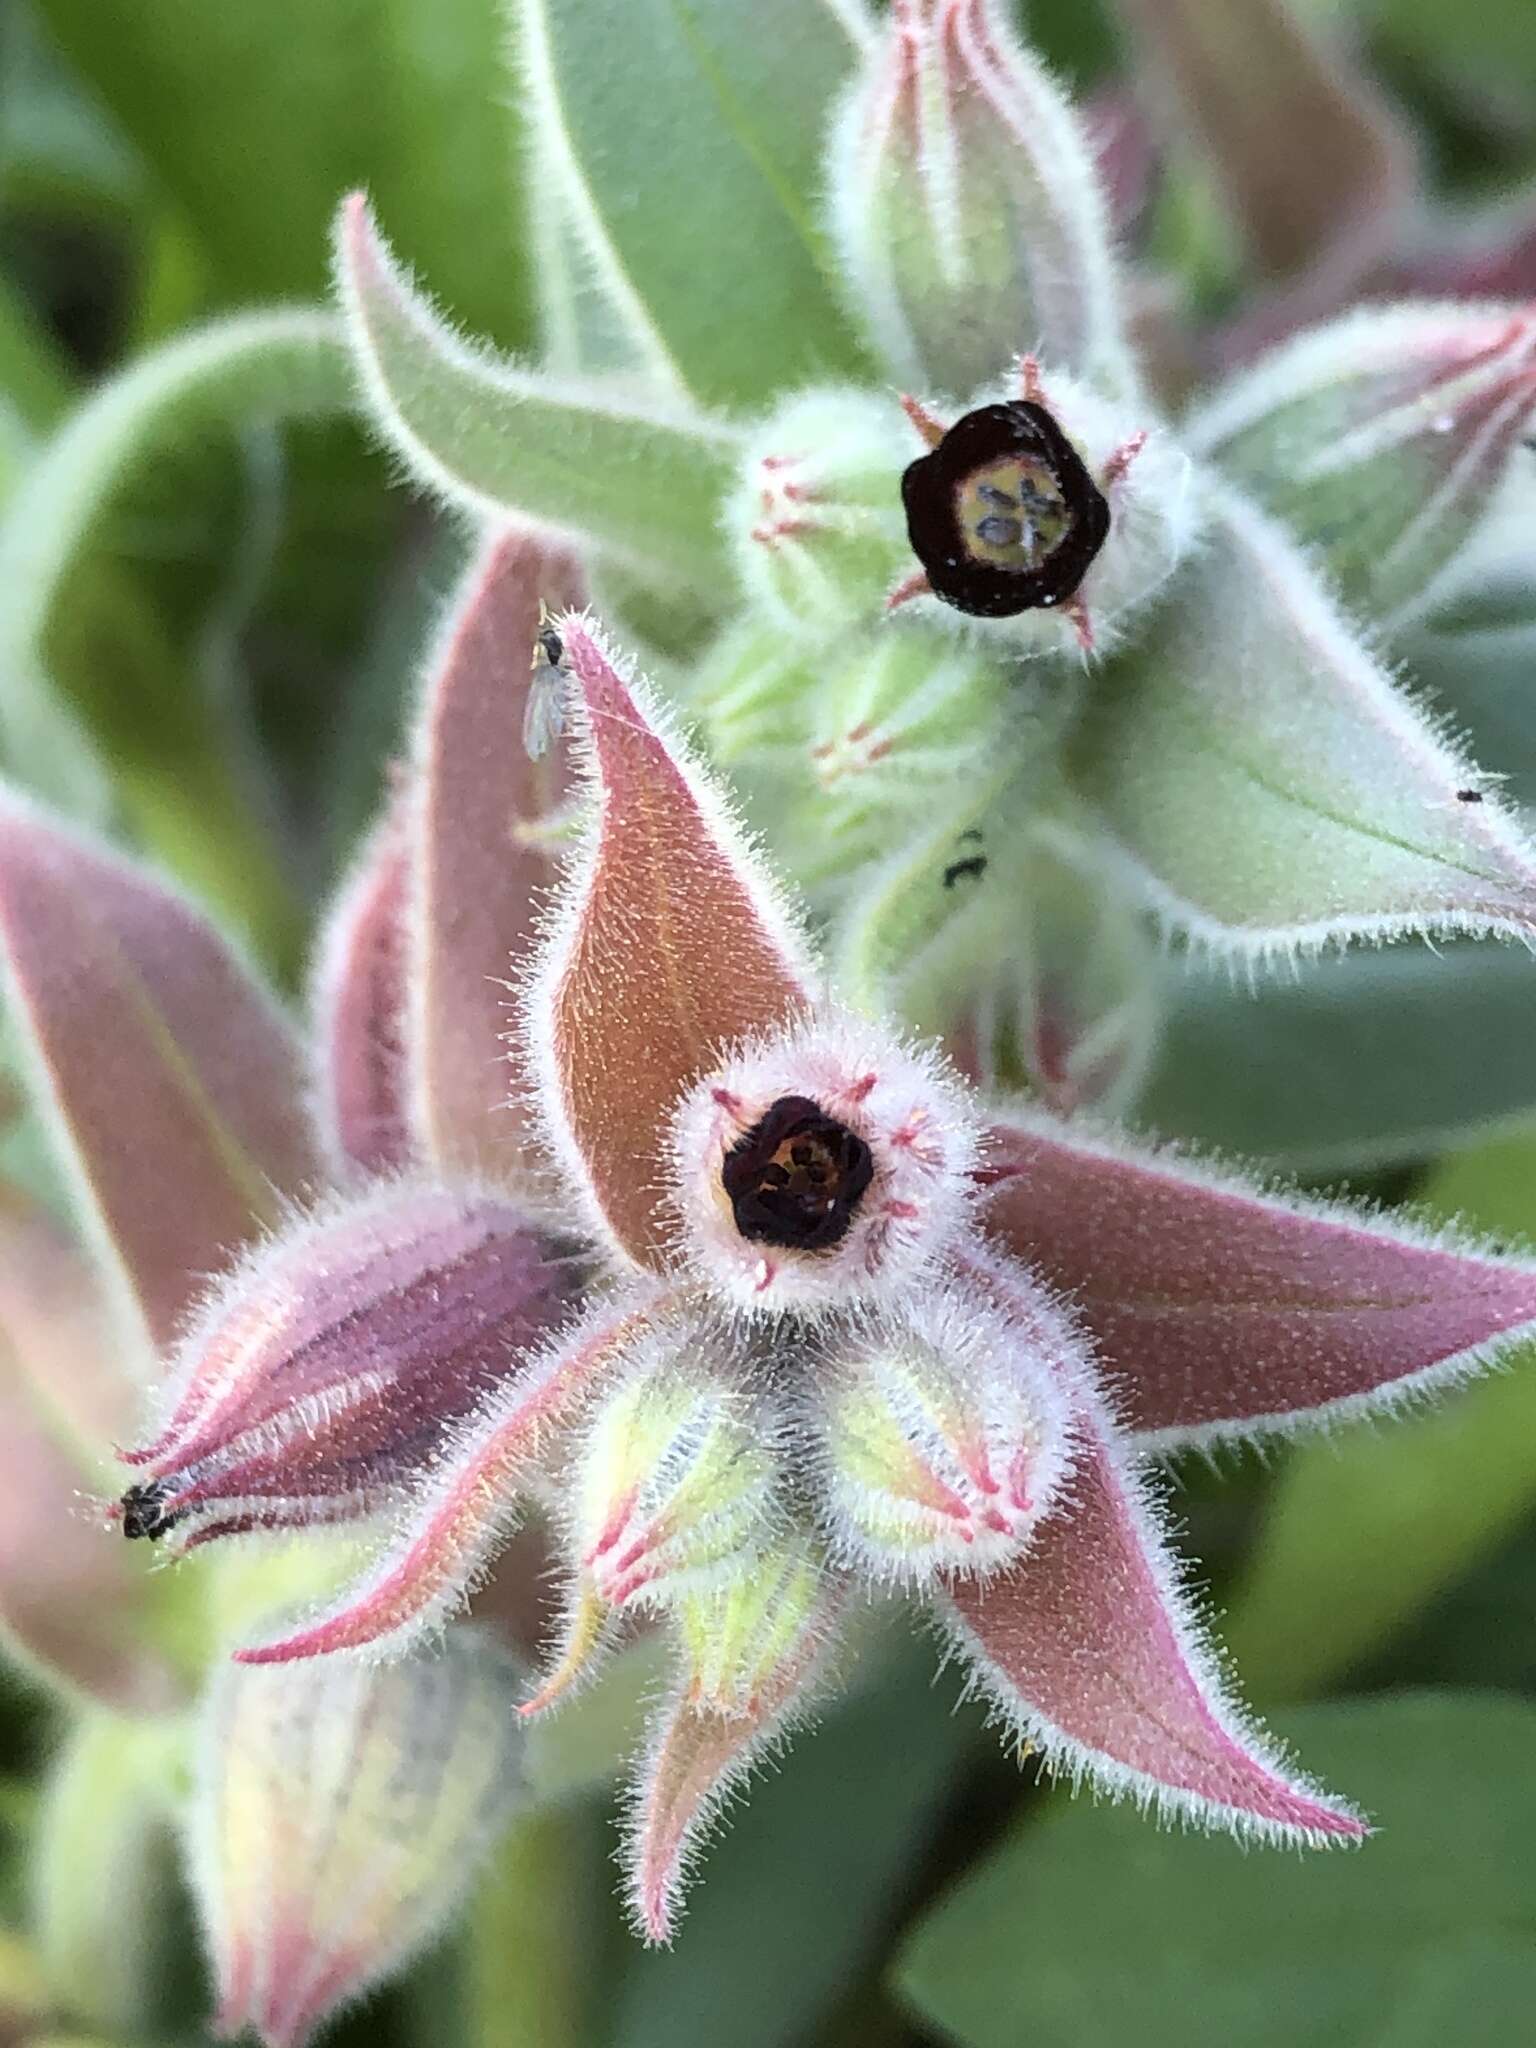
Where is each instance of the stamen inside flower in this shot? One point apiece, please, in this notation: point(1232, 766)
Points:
point(797, 1176)
point(1002, 513)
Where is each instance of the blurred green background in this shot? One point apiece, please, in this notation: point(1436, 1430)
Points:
point(212, 601)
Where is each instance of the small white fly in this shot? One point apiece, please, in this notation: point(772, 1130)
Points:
point(544, 717)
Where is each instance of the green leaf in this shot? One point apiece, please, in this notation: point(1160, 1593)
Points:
point(1073, 36)
point(34, 382)
point(102, 709)
point(1271, 785)
point(1363, 1528)
point(1482, 1631)
point(107, 1809)
point(1352, 1062)
point(683, 156)
point(60, 153)
point(1496, 39)
point(1090, 1929)
point(797, 1892)
point(1481, 671)
point(515, 444)
point(257, 119)
point(528, 1973)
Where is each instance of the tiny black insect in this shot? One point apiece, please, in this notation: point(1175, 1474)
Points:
point(971, 832)
point(974, 866)
point(144, 1513)
point(1469, 796)
point(544, 713)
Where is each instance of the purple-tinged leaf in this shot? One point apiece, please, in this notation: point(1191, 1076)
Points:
point(1315, 170)
point(1223, 1311)
point(572, 459)
point(339, 1814)
point(359, 1006)
point(327, 1371)
point(1088, 1649)
point(670, 946)
point(1269, 785)
point(478, 862)
point(173, 1083)
point(468, 1512)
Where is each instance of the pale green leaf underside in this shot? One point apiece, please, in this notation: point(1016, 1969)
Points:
point(1090, 1929)
point(693, 134)
point(515, 444)
point(1354, 1061)
point(1272, 785)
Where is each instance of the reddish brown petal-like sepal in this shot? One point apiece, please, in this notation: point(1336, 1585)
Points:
point(360, 1087)
point(754, 1651)
point(477, 803)
point(1224, 1311)
point(670, 946)
point(1087, 1646)
point(173, 1083)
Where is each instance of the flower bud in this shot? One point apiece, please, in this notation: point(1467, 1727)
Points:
point(1383, 439)
point(822, 1167)
point(816, 520)
point(835, 750)
point(323, 1373)
point(942, 1439)
point(899, 715)
point(674, 1490)
point(676, 1478)
point(340, 1812)
point(750, 693)
point(965, 204)
point(749, 1637)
